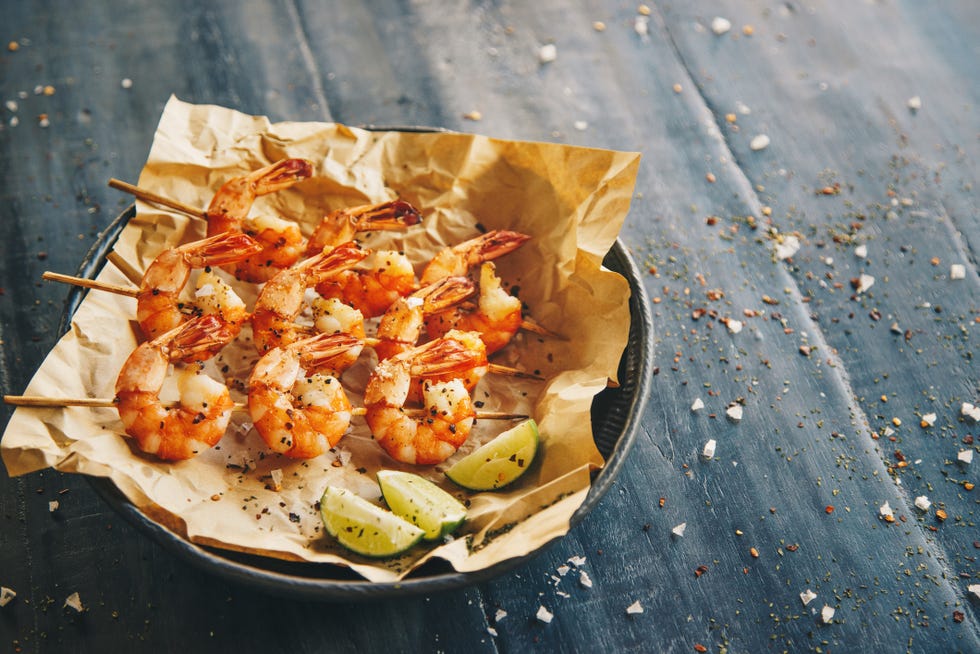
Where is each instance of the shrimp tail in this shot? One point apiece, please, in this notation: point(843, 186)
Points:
point(491, 245)
point(393, 215)
point(319, 351)
point(331, 262)
point(206, 333)
point(280, 175)
point(446, 293)
point(221, 249)
point(447, 356)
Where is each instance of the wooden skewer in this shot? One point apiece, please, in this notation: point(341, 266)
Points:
point(150, 196)
point(98, 402)
point(133, 275)
point(90, 283)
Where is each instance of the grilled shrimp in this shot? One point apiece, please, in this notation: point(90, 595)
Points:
point(199, 420)
point(342, 225)
point(458, 259)
point(448, 413)
point(496, 318)
point(401, 325)
point(282, 298)
point(282, 242)
point(158, 305)
point(298, 411)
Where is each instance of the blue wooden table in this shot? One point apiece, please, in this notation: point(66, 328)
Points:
point(806, 216)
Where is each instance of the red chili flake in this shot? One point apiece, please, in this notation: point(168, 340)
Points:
point(698, 647)
point(697, 314)
point(700, 570)
point(663, 500)
point(958, 616)
point(793, 547)
point(712, 220)
point(829, 509)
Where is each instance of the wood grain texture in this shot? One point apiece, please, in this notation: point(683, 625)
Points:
point(828, 82)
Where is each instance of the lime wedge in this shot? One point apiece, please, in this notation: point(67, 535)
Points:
point(363, 527)
point(500, 461)
point(421, 502)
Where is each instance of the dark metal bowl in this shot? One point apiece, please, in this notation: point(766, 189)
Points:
point(616, 414)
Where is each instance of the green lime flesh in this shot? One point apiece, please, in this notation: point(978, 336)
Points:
point(421, 502)
point(499, 462)
point(365, 528)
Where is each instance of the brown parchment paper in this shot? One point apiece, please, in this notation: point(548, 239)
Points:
point(571, 200)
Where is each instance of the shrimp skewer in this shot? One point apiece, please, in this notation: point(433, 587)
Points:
point(282, 242)
point(202, 415)
point(342, 225)
point(497, 316)
point(448, 414)
point(300, 413)
point(282, 298)
point(158, 305)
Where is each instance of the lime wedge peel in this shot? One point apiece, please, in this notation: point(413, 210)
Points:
point(421, 502)
point(500, 461)
point(366, 528)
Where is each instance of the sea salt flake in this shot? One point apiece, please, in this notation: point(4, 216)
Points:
point(126, 83)
point(15, 121)
point(698, 405)
point(581, 125)
point(759, 142)
point(865, 282)
point(544, 615)
point(492, 631)
point(6, 595)
point(11, 105)
point(499, 615)
point(861, 251)
point(734, 326)
point(206, 290)
point(641, 25)
point(922, 503)
point(709, 449)
point(634, 608)
point(957, 271)
point(679, 530)
point(970, 411)
point(807, 596)
point(584, 579)
point(53, 506)
point(563, 569)
point(734, 412)
point(929, 419)
point(561, 593)
point(577, 561)
point(74, 602)
point(965, 456)
point(276, 475)
point(720, 25)
point(787, 248)
point(886, 511)
point(973, 588)
point(827, 614)
point(547, 53)
point(914, 103)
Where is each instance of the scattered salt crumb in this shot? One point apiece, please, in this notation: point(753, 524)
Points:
point(43, 121)
point(973, 588)
point(759, 142)
point(74, 602)
point(634, 608)
point(343, 456)
point(53, 506)
point(888, 431)
point(698, 405)
point(276, 475)
point(734, 411)
point(473, 115)
point(807, 596)
point(584, 579)
point(577, 561)
point(864, 282)
point(679, 530)
point(914, 103)
point(561, 593)
point(734, 326)
point(11, 105)
point(492, 631)
point(742, 108)
point(709, 449)
point(206, 290)
point(499, 615)
point(720, 25)
point(641, 25)
point(929, 419)
point(922, 503)
point(965, 456)
point(126, 83)
point(6, 595)
point(827, 614)
point(861, 251)
point(957, 271)
point(544, 615)
point(563, 569)
point(886, 511)
point(581, 125)
point(547, 53)
point(15, 121)
point(970, 411)
point(789, 246)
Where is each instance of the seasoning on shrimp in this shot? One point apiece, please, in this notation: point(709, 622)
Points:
point(158, 305)
point(282, 242)
point(448, 413)
point(199, 420)
point(299, 411)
